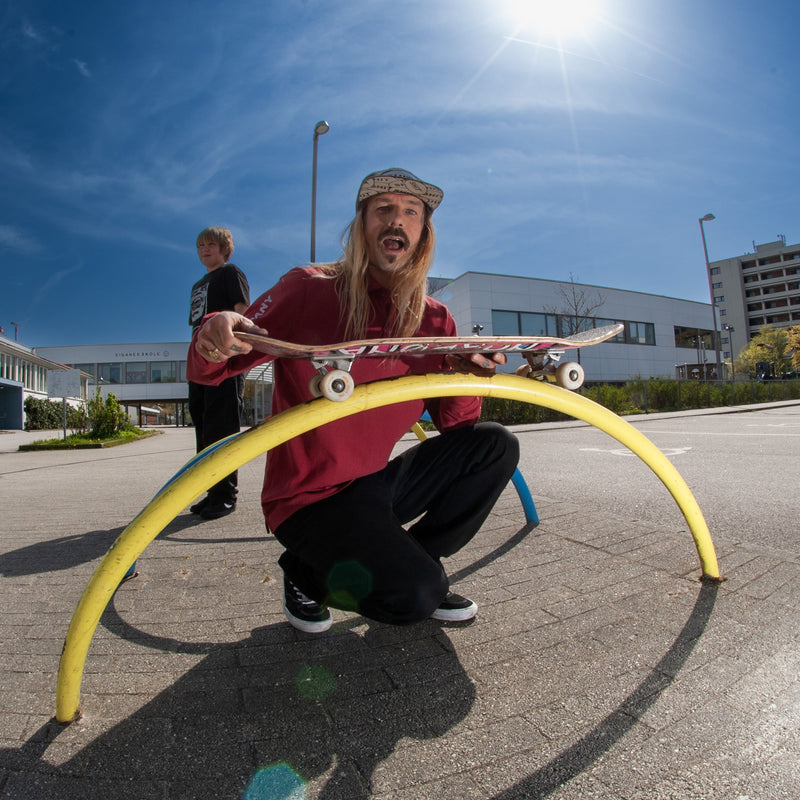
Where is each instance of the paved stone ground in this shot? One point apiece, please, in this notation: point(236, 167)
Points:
point(598, 665)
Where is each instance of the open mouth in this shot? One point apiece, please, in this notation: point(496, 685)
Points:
point(394, 241)
point(393, 244)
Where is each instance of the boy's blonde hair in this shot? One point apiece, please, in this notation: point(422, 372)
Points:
point(222, 236)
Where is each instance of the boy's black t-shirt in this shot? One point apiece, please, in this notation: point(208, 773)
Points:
point(218, 290)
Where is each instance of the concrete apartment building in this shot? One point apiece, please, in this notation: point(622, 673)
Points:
point(755, 289)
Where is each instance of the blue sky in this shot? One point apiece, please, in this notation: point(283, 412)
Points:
point(587, 146)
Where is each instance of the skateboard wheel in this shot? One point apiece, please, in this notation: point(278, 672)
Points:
point(337, 385)
point(570, 375)
point(314, 387)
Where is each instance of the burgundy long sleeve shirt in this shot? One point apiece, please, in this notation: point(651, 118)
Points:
point(303, 307)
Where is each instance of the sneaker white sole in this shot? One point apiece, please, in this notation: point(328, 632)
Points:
point(306, 625)
point(456, 614)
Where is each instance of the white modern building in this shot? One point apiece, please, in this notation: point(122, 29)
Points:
point(149, 379)
point(663, 336)
point(23, 374)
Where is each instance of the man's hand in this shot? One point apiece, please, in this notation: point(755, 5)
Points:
point(482, 364)
point(216, 340)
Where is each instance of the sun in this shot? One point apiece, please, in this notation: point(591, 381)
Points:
point(553, 19)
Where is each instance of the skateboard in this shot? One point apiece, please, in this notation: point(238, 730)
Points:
point(333, 361)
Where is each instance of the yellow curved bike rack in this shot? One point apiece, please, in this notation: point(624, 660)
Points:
point(220, 459)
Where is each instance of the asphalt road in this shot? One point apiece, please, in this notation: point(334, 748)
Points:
point(741, 467)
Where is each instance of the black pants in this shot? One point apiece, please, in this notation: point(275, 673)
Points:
point(351, 550)
point(216, 413)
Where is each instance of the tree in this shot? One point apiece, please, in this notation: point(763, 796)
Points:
point(576, 312)
point(765, 354)
point(793, 345)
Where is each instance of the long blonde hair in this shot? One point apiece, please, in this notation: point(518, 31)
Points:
point(351, 273)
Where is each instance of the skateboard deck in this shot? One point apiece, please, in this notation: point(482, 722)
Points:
point(541, 353)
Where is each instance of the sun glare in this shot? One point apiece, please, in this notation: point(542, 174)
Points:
point(556, 19)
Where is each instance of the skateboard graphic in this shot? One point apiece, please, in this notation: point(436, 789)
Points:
point(333, 361)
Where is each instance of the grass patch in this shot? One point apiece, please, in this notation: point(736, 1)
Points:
point(82, 441)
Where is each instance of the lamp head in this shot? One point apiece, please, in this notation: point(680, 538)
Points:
point(321, 127)
point(707, 218)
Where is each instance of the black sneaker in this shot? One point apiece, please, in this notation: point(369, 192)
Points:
point(216, 510)
point(199, 505)
point(302, 612)
point(455, 608)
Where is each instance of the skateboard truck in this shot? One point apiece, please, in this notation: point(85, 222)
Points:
point(544, 365)
point(332, 379)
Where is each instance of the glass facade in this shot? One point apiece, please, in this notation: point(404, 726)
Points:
point(525, 323)
point(136, 372)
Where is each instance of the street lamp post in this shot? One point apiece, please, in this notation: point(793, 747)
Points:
point(714, 343)
point(320, 128)
point(730, 330)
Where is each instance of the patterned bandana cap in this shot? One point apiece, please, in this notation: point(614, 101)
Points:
point(402, 182)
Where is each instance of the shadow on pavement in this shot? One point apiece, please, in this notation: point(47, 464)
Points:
point(259, 718)
point(262, 717)
point(67, 552)
point(587, 750)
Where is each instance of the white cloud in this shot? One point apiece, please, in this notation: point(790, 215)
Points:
point(14, 239)
point(32, 33)
point(83, 68)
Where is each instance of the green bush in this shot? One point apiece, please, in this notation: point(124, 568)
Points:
point(646, 396)
point(48, 415)
point(106, 417)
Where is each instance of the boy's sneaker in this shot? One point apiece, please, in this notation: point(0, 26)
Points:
point(199, 505)
point(455, 608)
point(302, 612)
point(216, 510)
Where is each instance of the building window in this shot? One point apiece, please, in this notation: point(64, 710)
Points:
point(620, 337)
point(719, 299)
point(136, 372)
point(715, 270)
point(505, 323)
point(769, 276)
point(163, 372)
point(524, 323)
point(570, 325)
point(537, 324)
point(640, 333)
point(689, 337)
point(109, 373)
